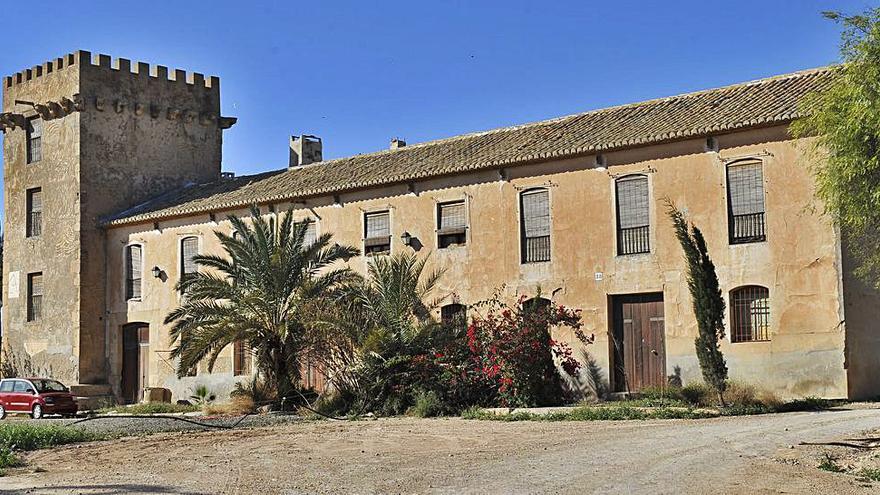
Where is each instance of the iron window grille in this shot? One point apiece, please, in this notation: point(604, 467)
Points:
point(189, 248)
point(311, 233)
point(451, 224)
point(535, 225)
point(377, 233)
point(535, 304)
point(133, 271)
point(34, 221)
point(745, 203)
point(35, 296)
point(454, 315)
point(34, 140)
point(750, 314)
point(633, 215)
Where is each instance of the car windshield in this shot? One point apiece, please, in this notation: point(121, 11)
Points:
point(48, 386)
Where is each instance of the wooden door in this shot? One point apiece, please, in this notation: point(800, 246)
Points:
point(135, 364)
point(639, 343)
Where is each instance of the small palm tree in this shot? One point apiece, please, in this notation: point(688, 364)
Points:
point(262, 293)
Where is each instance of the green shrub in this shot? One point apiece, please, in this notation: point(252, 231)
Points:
point(869, 474)
point(473, 412)
point(696, 394)
point(805, 404)
point(610, 413)
point(8, 459)
point(427, 405)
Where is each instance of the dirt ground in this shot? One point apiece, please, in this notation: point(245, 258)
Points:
point(758, 454)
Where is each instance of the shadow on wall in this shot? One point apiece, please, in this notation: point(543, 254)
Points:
point(862, 331)
point(589, 385)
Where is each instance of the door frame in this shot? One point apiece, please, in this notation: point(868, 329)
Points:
point(140, 332)
point(615, 313)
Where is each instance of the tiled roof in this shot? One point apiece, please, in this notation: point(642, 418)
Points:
point(758, 103)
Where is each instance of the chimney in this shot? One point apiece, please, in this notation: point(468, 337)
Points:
point(397, 143)
point(304, 150)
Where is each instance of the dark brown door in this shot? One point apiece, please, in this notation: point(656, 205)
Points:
point(135, 351)
point(638, 350)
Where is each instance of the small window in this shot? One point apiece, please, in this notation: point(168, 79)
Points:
point(34, 221)
point(633, 215)
point(454, 315)
point(189, 248)
point(745, 202)
point(311, 233)
point(34, 140)
point(23, 387)
point(241, 358)
point(377, 233)
point(535, 304)
point(451, 224)
point(35, 296)
point(6, 385)
point(750, 314)
point(535, 225)
point(133, 271)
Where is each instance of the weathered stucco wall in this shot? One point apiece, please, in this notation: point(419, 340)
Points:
point(799, 263)
point(132, 136)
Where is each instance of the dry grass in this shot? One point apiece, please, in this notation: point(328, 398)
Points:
point(236, 406)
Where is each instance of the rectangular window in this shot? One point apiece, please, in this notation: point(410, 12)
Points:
point(35, 296)
point(34, 220)
point(377, 233)
point(133, 269)
point(633, 215)
point(535, 225)
point(451, 224)
point(189, 247)
point(745, 198)
point(241, 358)
point(34, 140)
point(311, 232)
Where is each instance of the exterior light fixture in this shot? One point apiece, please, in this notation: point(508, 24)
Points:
point(406, 238)
point(157, 272)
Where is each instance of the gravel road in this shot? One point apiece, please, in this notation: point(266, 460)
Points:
point(726, 455)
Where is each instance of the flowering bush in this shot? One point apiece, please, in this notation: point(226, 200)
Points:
point(511, 351)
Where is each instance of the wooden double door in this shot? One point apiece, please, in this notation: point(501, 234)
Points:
point(638, 344)
point(135, 361)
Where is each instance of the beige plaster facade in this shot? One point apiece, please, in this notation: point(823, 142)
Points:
point(823, 341)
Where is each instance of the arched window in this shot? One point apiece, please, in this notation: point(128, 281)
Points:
point(535, 225)
point(133, 271)
point(535, 304)
point(745, 201)
point(750, 314)
point(633, 215)
point(189, 247)
point(454, 315)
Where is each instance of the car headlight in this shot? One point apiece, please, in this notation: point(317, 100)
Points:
point(50, 400)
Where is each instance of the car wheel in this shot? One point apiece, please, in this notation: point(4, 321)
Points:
point(37, 411)
point(2, 412)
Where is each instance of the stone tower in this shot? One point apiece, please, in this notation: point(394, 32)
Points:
point(86, 138)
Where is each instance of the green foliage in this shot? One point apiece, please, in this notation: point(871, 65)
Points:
point(829, 463)
point(24, 436)
point(845, 159)
point(256, 390)
point(202, 396)
point(151, 408)
point(697, 394)
point(427, 405)
point(590, 413)
point(265, 292)
point(707, 302)
point(869, 474)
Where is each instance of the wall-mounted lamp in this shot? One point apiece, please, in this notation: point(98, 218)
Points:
point(406, 238)
point(157, 272)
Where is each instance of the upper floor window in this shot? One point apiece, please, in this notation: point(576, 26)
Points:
point(535, 225)
point(311, 232)
point(377, 232)
point(34, 221)
point(241, 358)
point(35, 296)
point(133, 271)
point(34, 140)
point(750, 314)
point(189, 248)
point(633, 215)
point(745, 201)
point(451, 224)
point(454, 315)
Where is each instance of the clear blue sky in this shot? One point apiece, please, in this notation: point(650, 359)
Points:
point(358, 73)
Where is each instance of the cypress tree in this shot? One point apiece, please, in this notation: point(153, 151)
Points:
point(707, 301)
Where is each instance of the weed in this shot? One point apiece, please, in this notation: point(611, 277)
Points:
point(829, 463)
point(19, 437)
point(427, 405)
point(869, 474)
point(586, 413)
point(151, 408)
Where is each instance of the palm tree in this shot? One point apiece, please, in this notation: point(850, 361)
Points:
point(262, 293)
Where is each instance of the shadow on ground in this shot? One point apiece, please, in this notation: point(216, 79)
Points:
point(109, 489)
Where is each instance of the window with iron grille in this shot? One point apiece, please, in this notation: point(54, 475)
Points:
point(451, 224)
point(133, 271)
point(377, 233)
point(34, 221)
point(35, 296)
point(311, 232)
point(745, 202)
point(750, 314)
point(633, 215)
point(241, 358)
point(535, 304)
point(535, 225)
point(34, 140)
point(454, 315)
point(189, 247)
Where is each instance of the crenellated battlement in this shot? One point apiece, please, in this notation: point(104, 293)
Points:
point(83, 58)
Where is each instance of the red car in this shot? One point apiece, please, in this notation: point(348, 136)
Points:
point(35, 396)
